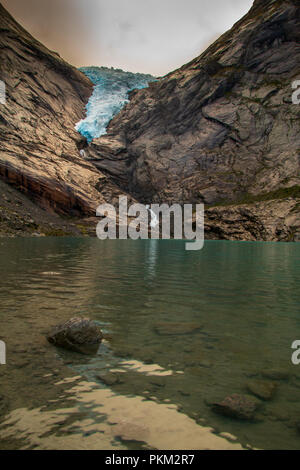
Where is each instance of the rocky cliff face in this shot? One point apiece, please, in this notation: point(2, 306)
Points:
point(39, 147)
point(220, 128)
point(273, 220)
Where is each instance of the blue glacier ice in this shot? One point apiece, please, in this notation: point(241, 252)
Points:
point(110, 95)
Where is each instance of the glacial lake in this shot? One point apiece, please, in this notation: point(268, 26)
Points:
point(182, 330)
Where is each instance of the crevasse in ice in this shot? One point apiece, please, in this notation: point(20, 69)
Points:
point(110, 95)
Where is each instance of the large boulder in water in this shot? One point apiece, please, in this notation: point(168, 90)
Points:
point(236, 406)
point(78, 334)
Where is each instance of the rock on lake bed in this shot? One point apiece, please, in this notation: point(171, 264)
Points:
point(78, 334)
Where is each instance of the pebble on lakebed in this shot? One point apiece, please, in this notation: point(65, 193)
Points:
point(78, 334)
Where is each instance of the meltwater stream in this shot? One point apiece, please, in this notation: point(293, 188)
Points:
point(110, 95)
point(182, 329)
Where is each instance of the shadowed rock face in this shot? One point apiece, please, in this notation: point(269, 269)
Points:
point(39, 147)
point(274, 220)
point(219, 127)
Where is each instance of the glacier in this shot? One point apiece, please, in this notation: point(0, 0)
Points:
point(110, 94)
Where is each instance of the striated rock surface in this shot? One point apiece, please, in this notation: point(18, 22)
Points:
point(19, 216)
point(221, 127)
point(276, 374)
point(274, 220)
point(78, 334)
point(39, 147)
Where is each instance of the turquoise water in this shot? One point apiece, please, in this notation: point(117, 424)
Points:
point(182, 329)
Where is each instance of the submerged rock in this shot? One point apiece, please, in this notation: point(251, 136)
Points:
point(276, 374)
point(78, 334)
point(236, 406)
point(170, 329)
point(110, 378)
point(261, 389)
point(228, 436)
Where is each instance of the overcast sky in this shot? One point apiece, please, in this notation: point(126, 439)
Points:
point(149, 36)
